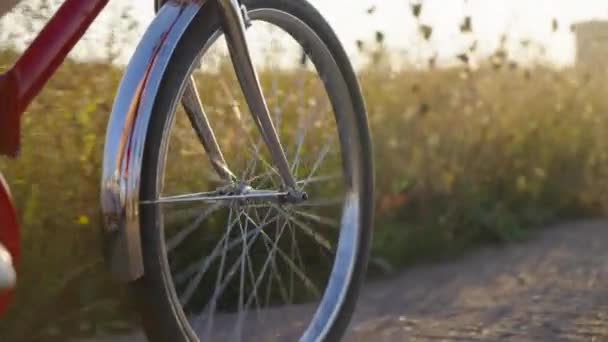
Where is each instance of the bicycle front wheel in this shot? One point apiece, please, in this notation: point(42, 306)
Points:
point(225, 256)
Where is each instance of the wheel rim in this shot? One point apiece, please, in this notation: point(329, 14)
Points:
point(256, 233)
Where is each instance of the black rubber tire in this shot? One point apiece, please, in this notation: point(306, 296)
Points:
point(161, 317)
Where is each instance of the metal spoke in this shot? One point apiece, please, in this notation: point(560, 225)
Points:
point(244, 256)
point(305, 127)
point(319, 219)
point(269, 166)
point(319, 179)
point(281, 108)
point(295, 254)
point(307, 282)
point(267, 263)
point(318, 162)
point(204, 263)
point(307, 230)
point(321, 202)
point(189, 292)
point(302, 131)
point(250, 169)
point(177, 197)
point(266, 174)
point(215, 197)
point(241, 125)
point(291, 274)
point(183, 234)
point(221, 285)
point(274, 266)
point(206, 260)
point(278, 111)
point(220, 274)
point(263, 223)
point(181, 215)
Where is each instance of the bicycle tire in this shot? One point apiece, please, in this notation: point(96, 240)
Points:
point(162, 316)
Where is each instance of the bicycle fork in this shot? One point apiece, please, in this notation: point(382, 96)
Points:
point(234, 17)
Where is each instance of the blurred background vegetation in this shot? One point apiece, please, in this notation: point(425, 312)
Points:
point(465, 156)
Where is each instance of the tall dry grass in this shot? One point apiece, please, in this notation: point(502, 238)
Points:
point(482, 156)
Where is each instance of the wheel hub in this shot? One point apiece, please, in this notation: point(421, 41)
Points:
point(292, 196)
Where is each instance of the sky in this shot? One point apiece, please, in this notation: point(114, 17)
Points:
point(519, 19)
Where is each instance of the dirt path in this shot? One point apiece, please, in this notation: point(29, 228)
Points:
point(551, 288)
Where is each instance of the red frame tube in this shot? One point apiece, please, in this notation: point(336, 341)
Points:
point(9, 236)
point(20, 84)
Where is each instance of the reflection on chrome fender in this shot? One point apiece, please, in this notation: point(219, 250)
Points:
point(126, 134)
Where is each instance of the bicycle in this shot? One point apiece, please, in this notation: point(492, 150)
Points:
point(246, 238)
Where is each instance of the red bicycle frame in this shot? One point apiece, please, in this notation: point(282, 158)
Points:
point(20, 84)
point(18, 87)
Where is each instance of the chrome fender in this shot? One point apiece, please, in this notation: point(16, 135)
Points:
point(126, 137)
